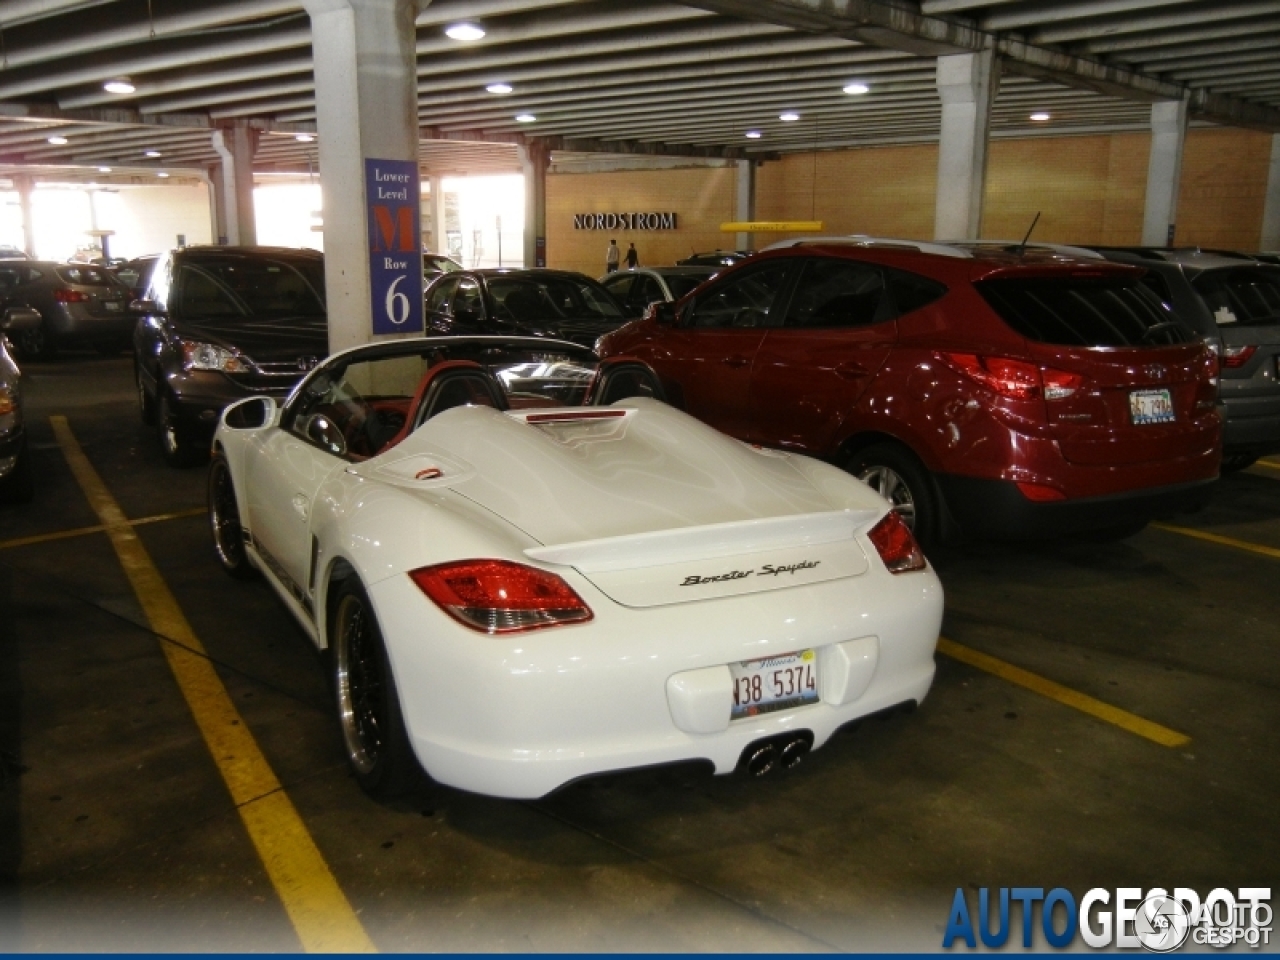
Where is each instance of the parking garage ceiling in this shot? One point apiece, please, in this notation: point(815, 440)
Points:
point(710, 78)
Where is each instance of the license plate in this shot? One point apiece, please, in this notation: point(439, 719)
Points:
point(774, 683)
point(1151, 406)
point(112, 305)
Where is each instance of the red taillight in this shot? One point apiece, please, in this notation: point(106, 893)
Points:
point(498, 596)
point(895, 544)
point(63, 295)
point(1040, 492)
point(1016, 379)
point(1233, 357)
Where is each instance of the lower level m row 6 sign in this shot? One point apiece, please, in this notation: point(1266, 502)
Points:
point(395, 255)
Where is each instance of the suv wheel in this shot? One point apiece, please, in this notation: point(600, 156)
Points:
point(38, 343)
point(175, 442)
point(894, 472)
point(146, 403)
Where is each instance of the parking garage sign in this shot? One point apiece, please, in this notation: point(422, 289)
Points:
point(395, 254)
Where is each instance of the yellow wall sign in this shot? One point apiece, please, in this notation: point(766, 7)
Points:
point(774, 226)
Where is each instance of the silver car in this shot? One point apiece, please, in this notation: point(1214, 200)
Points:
point(636, 289)
point(79, 304)
point(16, 483)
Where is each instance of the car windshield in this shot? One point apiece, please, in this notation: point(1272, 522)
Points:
point(1081, 311)
point(551, 298)
point(261, 288)
point(1241, 296)
point(681, 284)
point(430, 263)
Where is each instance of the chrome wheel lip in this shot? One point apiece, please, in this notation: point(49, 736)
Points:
point(357, 705)
point(893, 487)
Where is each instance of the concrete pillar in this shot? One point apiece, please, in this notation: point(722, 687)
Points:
point(212, 178)
point(535, 158)
point(366, 81)
point(439, 218)
point(746, 204)
point(967, 85)
point(235, 147)
point(1164, 172)
point(1271, 205)
point(23, 184)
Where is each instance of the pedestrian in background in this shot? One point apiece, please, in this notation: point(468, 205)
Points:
point(633, 258)
point(611, 257)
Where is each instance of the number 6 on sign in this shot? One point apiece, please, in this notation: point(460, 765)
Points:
point(398, 307)
point(392, 193)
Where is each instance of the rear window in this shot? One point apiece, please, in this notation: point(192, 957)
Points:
point(86, 276)
point(1084, 311)
point(1245, 297)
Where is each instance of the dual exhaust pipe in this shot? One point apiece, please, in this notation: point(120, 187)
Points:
point(780, 752)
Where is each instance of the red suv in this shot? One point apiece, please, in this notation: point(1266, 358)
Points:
point(1009, 395)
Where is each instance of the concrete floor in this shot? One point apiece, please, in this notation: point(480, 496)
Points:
point(116, 831)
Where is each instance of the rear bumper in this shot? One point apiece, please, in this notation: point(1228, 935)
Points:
point(1252, 425)
point(75, 324)
point(997, 509)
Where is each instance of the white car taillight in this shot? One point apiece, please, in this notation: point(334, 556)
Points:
point(895, 544)
point(498, 596)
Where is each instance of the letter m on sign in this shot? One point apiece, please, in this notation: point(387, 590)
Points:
point(394, 235)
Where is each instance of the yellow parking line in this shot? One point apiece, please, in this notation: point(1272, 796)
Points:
point(1221, 540)
point(96, 528)
point(1267, 463)
point(319, 910)
point(1064, 695)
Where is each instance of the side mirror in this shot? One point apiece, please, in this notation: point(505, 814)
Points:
point(664, 312)
point(17, 319)
point(145, 307)
point(251, 414)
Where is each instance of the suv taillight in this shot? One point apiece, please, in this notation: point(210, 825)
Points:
point(895, 544)
point(1015, 379)
point(1233, 357)
point(498, 596)
point(63, 295)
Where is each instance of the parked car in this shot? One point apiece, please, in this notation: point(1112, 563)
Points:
point(636, 289)
point(437, 264)
point(540, 303)
point(218, 324)
point(135, 273)
point(17, 485)
point(1234, 302)
point(79, 304)
point(13, 253)
point(522, 587)
point(715, 258)
point(1011, 396)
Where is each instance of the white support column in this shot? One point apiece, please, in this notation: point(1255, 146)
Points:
point(23, 184)
point(535, 158)
point(1164, 172)
point(1270, 239)
point(746, 205)
point(967, 85)
point(439, 217)
point(366, 107)
point(235, 147)
point(212, 178)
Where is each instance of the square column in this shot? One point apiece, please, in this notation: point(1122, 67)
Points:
point(365, 63)
point(235, 147)
point(745, 209)
point(535, 158)
point(1164, 172)
point(439, 225)
point(23, 184)
point(967, 85)
point(1271, 205)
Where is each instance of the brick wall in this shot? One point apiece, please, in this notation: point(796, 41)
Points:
point(1087, 189)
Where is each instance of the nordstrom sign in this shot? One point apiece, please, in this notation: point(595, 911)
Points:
point(624, 221)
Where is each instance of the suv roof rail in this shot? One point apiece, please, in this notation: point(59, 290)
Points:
point(1012, 246)
point(860, 240)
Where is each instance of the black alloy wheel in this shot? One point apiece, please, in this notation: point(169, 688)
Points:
point(373, 732)
point(38, 343)
point(224, 521)
point(176, 445)
point(894, 472)
point(146, 403)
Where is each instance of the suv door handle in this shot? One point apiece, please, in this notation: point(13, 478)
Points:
point(736, 361)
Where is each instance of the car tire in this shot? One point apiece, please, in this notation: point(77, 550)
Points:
point(38, 343)
point(896, 474)
point(224, 521)
point(1235, 462)
point(19, 486)
point(176, 444)
point(373, 732)
point(146, 403)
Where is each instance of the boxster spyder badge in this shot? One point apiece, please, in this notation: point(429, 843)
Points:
point(494, 545)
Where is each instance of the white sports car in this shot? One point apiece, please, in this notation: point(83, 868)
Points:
point(528, 569)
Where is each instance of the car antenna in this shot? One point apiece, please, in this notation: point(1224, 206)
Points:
point(1022, 247)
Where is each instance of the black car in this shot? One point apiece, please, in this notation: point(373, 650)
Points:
point(715, 258)
point(219, 324)
point(536, 303)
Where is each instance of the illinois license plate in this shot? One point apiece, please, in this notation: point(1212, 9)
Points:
point(1151, 406)
point(774, 683)
point(113, 305)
